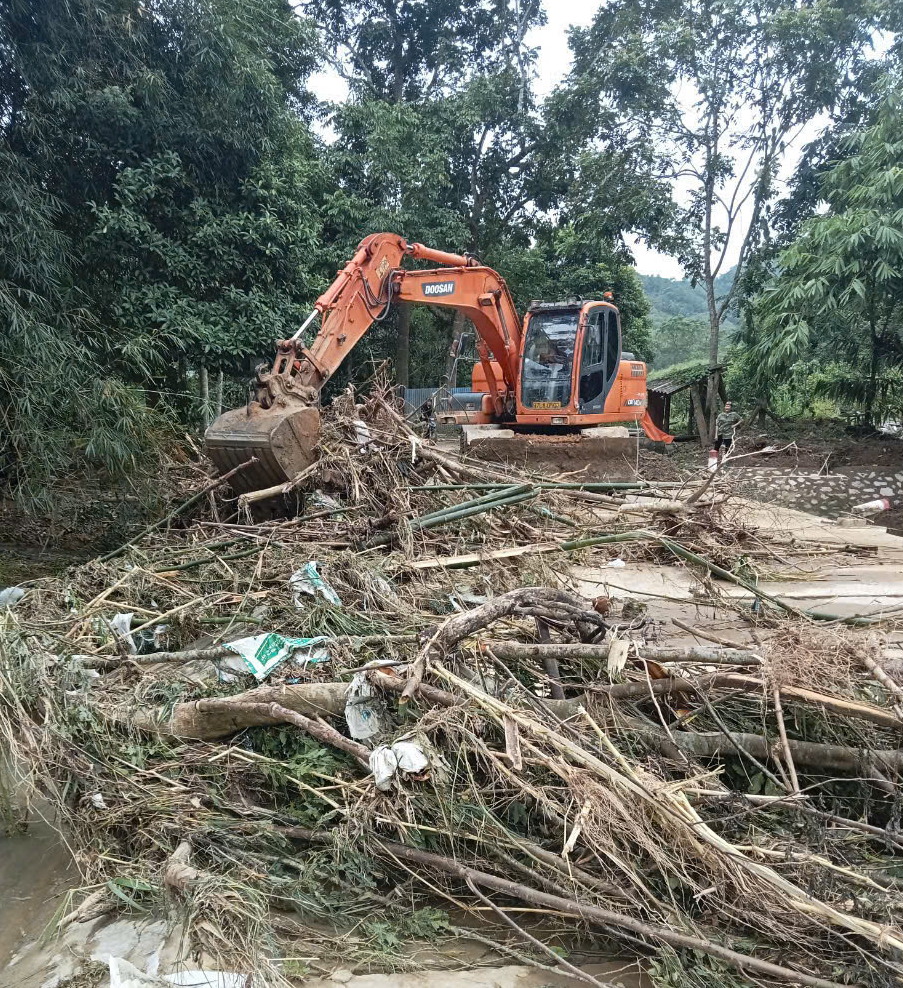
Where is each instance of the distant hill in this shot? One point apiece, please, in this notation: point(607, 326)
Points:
point(670, 297)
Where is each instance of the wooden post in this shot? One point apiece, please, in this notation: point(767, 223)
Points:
point(455, 342)
point(204, 382)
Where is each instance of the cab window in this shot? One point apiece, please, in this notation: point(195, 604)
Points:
point(549, 359)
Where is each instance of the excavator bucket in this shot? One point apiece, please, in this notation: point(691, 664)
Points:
point(282, 438)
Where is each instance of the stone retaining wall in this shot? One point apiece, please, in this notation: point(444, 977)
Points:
point(832, 494)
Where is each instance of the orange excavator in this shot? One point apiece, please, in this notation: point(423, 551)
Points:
point(559, 373)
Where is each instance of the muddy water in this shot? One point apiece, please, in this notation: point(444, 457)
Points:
point(35, 871)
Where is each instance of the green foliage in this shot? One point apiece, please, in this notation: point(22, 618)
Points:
point(680, 297)
point(564, 263)
point(706, 96)
point(684, 373)
point(390, 936)
point(678, 339)
point(158, 183)
point(838, 294)
point(693, 969)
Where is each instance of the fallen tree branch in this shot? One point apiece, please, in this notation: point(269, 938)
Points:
point(848, 708)
point(589, 913)
point(461, 626)
point(211, 718)
point(785, 744)
point(711, 656)
point(810, 753)
point(251, 497)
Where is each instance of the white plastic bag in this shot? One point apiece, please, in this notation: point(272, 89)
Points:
point(10, 596)
point(308, 581)
point(406, 757)
point(126, 975)
point(410, 756)
point(363, 709)
point(121, 625)
point(383, 765)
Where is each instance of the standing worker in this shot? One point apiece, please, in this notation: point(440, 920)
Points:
point(725, 427)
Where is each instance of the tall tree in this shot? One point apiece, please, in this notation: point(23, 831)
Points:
point(718, 87)
point(433, 91)
point(839, 286)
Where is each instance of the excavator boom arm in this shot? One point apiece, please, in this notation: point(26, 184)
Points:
point(373, 279)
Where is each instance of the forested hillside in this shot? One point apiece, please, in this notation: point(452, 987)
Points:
point(678, 297)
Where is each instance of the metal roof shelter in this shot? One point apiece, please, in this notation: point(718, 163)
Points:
point(676, 379)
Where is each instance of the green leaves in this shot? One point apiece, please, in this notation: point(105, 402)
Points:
point(840, 282)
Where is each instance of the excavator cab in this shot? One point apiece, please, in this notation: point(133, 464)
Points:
point(571, 359)
point(548, 362)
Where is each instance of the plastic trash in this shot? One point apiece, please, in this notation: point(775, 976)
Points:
point(361, 432)
point(411, 759)
point(138, 642)
point(308, 581)
point(262, 653)
point(121, 625)
point(383, 765)
point(318, 501)
point(403, 756)
point(616, 564)
point(10, 596)
point(618, 651)
point(872, 507)
point(364, 711)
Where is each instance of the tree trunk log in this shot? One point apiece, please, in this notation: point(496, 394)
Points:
point(699, 412)
point(208, 719)
point(700, 653)
point(822, 756)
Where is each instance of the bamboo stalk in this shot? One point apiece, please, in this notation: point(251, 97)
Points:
point(458, 513)
point(785, 744)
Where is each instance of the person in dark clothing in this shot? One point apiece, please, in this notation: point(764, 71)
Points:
point(725, 427)
point(428, 419)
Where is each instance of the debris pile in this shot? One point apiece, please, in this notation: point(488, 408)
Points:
point(398, 708)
